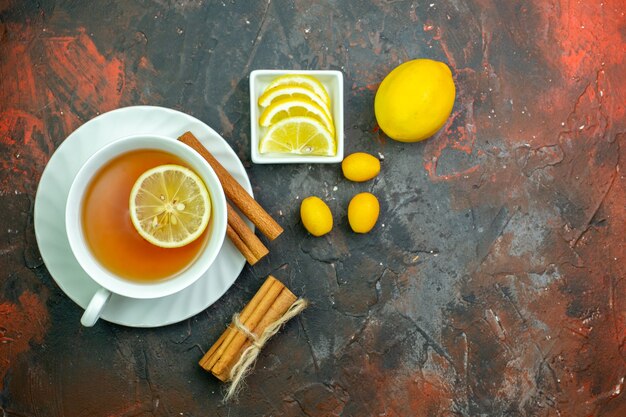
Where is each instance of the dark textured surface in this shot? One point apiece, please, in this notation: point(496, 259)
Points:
point(493, 283)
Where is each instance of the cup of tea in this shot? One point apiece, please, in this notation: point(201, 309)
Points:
point(106, 240)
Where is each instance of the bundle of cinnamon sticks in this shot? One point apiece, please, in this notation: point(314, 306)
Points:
point(239, 233)
point(267, 307)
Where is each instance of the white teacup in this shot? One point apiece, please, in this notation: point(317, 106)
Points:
point(112, 283)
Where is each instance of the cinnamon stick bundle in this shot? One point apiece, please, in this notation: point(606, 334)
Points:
point(268, 307)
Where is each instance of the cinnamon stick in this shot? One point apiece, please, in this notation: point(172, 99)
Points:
point(282, 303)
point(241, 245)
point(252, 247)
point(217, 350)
point(229, 356)
point(235, 192)
point(211, 357)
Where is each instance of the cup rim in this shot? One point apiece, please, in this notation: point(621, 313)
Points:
point(73, 224)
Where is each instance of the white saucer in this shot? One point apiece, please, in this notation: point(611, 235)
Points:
point(50, 216)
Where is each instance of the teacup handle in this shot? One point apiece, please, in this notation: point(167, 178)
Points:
point(93, 310)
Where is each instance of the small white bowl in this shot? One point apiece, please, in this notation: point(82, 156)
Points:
point(332, 80)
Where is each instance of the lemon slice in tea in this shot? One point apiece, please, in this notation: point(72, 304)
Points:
point(170, 206)
point(298, 135)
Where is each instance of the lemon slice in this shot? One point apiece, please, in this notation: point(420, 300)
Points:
point(170, 206)
point(290, 91)
point(298, 135)
point(295, 106)
point(305, 81)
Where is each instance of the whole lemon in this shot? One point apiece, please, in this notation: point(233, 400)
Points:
point(415, 100)
point(360, 166)
point(316, 216)
point(363, 212)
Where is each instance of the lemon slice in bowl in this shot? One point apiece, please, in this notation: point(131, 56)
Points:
point(290, 91)
point(170, 206)
point(292, 107)
point(299, 135)
point(302, 80)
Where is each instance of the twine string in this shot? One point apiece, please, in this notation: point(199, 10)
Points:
point(244, 365)
point(252, 337)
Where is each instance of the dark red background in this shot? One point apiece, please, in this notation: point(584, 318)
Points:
point(493, 284)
